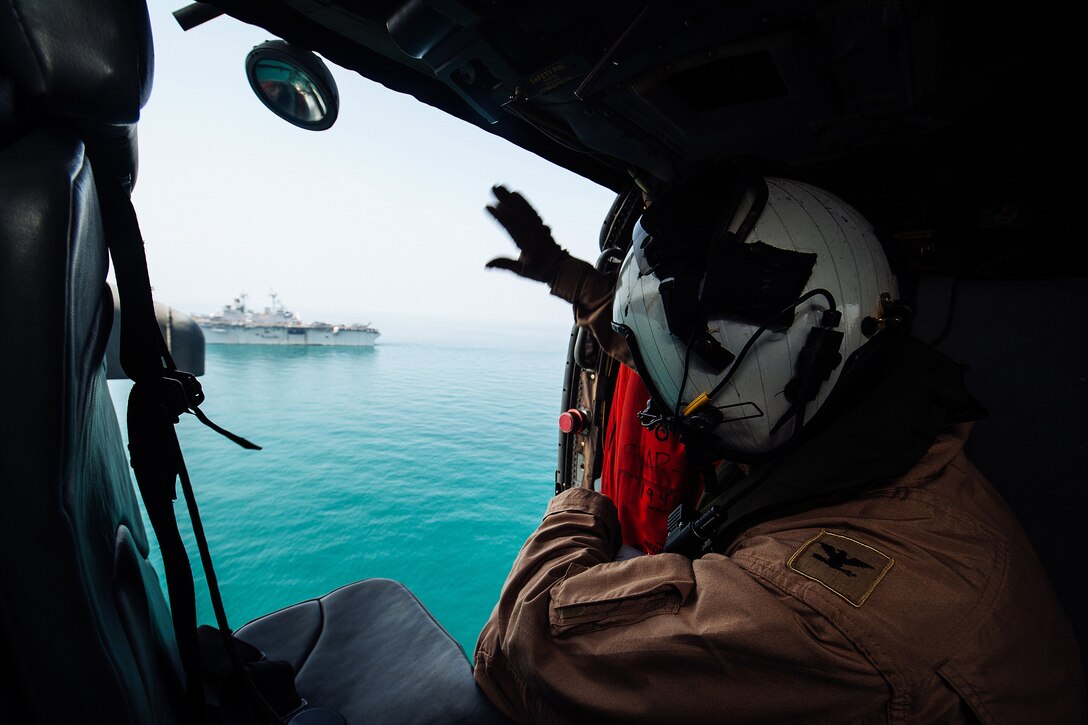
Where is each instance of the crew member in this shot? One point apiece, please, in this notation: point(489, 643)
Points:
point(645, 474)
point(861, 570)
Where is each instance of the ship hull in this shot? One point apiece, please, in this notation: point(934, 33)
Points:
point(274, 335)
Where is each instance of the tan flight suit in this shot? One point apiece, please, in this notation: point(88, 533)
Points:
point(920, 601)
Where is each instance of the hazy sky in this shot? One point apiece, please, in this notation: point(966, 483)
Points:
point(378, 218)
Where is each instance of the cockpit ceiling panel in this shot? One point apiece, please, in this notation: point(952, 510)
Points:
point(366, 30)
point(605, 88)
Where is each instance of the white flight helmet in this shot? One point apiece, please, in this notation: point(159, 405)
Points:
point(739, 315)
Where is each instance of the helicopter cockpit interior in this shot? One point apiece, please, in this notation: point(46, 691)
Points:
point(959, 133)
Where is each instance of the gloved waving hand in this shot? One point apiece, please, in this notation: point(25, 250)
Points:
point(540, 256)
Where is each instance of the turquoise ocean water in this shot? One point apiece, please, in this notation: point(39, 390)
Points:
point(427, 459)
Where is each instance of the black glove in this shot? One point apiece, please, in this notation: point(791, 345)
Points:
point(540, 255)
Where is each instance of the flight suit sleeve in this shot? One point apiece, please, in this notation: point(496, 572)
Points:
point(580, 530)
point(590, 292)
point(577, 637)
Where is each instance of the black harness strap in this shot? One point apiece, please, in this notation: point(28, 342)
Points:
point(160, 394)
point(153, 445)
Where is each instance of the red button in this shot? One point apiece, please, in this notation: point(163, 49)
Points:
point(573, 421)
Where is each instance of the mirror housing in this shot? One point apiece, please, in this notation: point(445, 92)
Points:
point(294, 84)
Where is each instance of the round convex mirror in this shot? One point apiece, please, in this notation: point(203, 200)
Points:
point(294, 84)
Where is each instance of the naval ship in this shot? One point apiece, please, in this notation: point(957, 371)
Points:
point(237, 324)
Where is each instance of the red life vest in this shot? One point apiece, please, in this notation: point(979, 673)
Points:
point(645, 477)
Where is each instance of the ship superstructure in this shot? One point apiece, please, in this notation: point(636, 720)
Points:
point(237, 324)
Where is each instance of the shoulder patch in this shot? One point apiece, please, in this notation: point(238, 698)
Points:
point(846, 566)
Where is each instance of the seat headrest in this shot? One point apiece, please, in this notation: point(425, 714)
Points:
point(82, 60)
point(89, 64)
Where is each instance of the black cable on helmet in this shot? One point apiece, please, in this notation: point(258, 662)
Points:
point(684, 377)
point(819, 291)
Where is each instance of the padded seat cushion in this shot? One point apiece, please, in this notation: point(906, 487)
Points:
point(371, 652)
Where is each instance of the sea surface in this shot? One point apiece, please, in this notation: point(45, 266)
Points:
point(428, 459)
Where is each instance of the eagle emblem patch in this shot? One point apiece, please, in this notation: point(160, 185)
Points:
point(846, 566)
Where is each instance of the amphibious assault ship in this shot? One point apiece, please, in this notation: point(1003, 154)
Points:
point(237, 324)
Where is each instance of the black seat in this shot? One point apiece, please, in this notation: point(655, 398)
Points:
point(413, 671)
point(83, 613)
point(85, 630)
point(84, 622)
